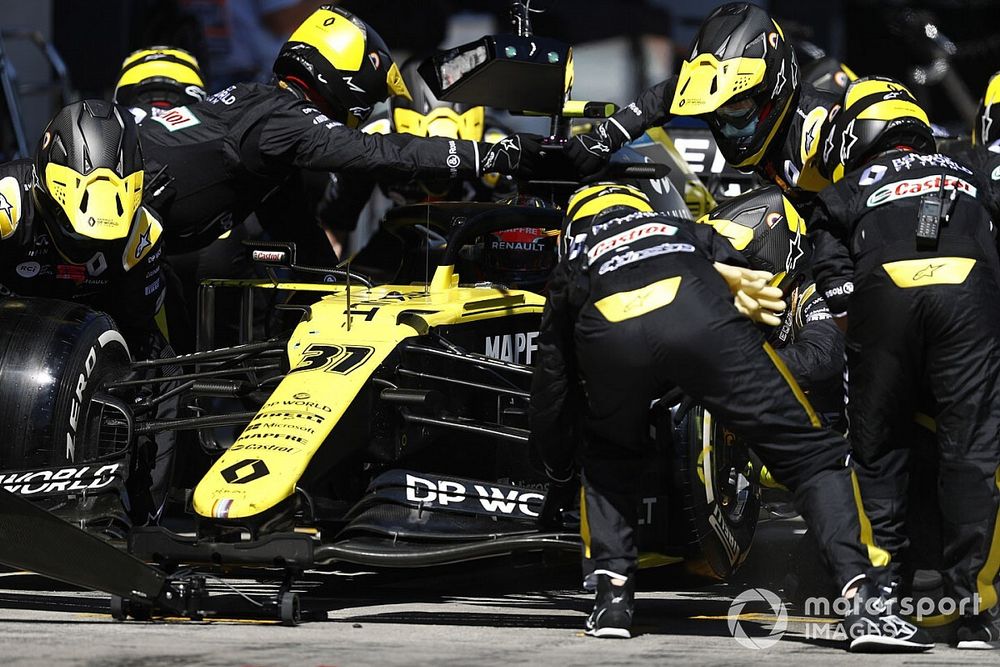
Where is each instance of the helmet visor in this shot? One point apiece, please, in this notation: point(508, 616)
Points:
point(100, 205)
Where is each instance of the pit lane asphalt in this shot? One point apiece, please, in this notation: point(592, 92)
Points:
point(501, 614)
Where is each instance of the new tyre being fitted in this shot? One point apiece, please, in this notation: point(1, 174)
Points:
point(54, 358)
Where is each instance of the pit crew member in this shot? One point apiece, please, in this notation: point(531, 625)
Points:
point(636, 308)
point(905, 252)
point(743, 79)
point(220, 158)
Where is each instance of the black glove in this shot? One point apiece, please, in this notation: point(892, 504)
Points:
point(515, 155)
point(590, 152)
point(562, 496)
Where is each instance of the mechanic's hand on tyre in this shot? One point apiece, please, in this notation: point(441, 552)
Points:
point(515, 155)
point(562, 496)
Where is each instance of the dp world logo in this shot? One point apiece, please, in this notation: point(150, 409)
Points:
point(777, 607)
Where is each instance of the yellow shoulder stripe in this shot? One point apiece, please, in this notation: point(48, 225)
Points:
point(145, 234)
point(10, 206)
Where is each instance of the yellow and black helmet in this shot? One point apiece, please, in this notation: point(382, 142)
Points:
point(742, 78)
point(89, 169)
point(764, 226)
point(986, 131)
point(341, 63)
point(877, 114)
point(593, 200)
point(425, 115)
point(598, 202)
point(822, 71)
point(160, 76)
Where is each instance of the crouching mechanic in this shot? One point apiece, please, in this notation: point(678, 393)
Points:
point(906, 252)
point(73, 227)
point(635, 308)
point(769, 232)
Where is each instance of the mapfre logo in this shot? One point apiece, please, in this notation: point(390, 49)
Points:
point(914, 187)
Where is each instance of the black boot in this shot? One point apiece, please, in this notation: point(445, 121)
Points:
point(613, 608)
point(873, 626)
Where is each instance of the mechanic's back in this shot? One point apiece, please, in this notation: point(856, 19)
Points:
point(221, 157)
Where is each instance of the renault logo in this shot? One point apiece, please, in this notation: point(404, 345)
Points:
point(245, 471)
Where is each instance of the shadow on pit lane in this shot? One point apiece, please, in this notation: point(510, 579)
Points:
point(653, 617)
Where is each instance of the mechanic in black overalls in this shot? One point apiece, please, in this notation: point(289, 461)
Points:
point(72, 227)
point(636, 308)
point(742, 78)
point(222, 157)
point(764, 226)
point(905, 252)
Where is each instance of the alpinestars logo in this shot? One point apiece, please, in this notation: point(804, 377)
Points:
point(781, 80)
point(927, 271)
point(795, 252)
point(508, 148)
point(847, 143)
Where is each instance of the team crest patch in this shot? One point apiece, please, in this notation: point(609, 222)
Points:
point(175, 119)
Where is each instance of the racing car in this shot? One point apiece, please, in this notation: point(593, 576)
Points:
point(379, 424)
point(388, 429)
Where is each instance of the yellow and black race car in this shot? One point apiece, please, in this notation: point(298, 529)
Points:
point(380, 424)
point(387, 428)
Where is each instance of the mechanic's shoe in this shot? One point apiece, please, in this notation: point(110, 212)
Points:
point(874, 627)
point(978, 633)
point(613, 608)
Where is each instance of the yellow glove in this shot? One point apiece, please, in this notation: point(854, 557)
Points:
point(738, 278)
point(755, 298)
point(761, 306)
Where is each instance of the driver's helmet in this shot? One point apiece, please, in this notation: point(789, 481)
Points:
point(764, 226)
point(89, 180)
point(341, 64)
point(521, 257)
point(160, 76)
point(742, 78)
point(877, 115)
point(986, 131)
point(425, 115)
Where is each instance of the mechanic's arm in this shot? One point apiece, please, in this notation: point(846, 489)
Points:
point(299, 135)
point(816, 358)
point(136, 299)
point(833, 267)
point(343, 201)
point(591, 151)
point(553, 384)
